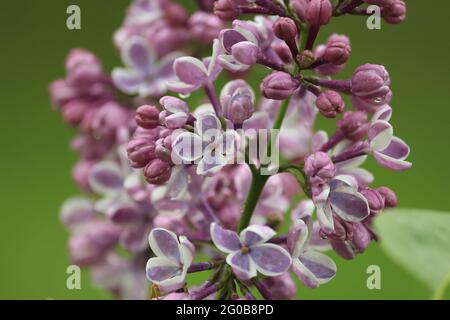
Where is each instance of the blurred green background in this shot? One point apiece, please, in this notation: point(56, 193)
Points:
point(36, 162)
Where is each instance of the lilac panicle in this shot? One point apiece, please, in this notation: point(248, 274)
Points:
point(158, 169)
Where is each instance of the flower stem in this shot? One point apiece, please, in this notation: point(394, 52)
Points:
point(211, 93)
point(258, 180)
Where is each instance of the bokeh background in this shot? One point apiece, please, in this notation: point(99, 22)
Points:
point(36, 162)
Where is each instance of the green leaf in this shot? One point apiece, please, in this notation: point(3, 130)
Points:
point(418, 240)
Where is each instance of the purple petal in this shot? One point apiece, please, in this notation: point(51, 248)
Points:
point(304, 210)
point(165, 274)
point(105, 178)
point(297, 238)
point(256, 234)
point(325, 217)
point(380, 135)
point(137, 54)
point(225, 240)
point(181, 87)
point(314, 268)
point(230, 37)
point(190, 70)
point(270, 259)
point(134, 237)
point(76, 211)
point(188, 147)
point(208, 126)
point(243, 267)
point(164, 244)
point(383, 113)
point(127, 80)
point(351, 207)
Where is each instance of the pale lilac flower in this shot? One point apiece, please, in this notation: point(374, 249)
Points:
point(143, 75)
point(193, 73)
point(249, 253)
point(76, 211)
point(205, 27)
point(340, 197)
point(389, 151)
point(173, 257)
point(312, 267)
point(210, 147)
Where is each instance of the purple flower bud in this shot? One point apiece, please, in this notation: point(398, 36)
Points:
point(82, 67)
point(300, 7)
point(205, 27)
point(354, 124)
point(157, 172)
point(237, 99)
point(279, 86)
point(175, 14)
point(319, 168)
point(285, 29)
point(330, 103)
point(370, 87)
point(337, 52)
point(395, 12)
point(319, 12)
point(283, 52)
point(175, 114)
point(281, 287)
point(361, 237)
point(374, 199)
point(147, 117)
point(390, 198)
point(141, 149)
point(226, 10)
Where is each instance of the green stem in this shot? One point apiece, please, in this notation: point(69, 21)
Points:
point(258, 180)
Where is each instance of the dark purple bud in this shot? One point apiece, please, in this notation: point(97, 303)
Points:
point(319, 168)
point(226, 10)
point(361, 237)
point(283, 52)
point(390, 198)
point(141, 148)
point(285, 29)
point(395, 12)
point(319, 12)
point(157, 172)
point(299, 7)
point(279, 85)
point(337, 52)
point(330, 103)
point(281, 287)
point(175, 14)
point(343, 249)
point(374, 198)
point(354, 125)
point(147, 117)
point(305, 59)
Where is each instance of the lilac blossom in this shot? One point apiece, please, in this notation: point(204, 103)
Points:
point(249, 253)
point(209, 145)
point(173, 257)
point(143, 75)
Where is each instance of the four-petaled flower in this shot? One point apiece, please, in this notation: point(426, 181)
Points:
point(312, 267)
point(341, 197)
point(249, 253)
point(143, 75)
point(210, 146)
point(193, 73)
point(173, 258)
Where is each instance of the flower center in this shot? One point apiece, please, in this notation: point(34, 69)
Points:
point(245, 250)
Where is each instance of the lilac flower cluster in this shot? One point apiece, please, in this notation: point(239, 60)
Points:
point(154, 203)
